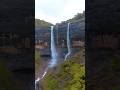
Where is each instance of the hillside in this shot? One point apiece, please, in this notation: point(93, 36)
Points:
point(67, 76)
point(37, 62)
point(42, 23)
point(77, 17)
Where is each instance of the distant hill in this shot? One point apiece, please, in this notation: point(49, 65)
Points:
point(42, 23)
point(77, 17)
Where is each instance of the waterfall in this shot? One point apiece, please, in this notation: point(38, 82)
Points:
point(37, 82)
point(68, 41)
point(53, 49)
point(53, 60)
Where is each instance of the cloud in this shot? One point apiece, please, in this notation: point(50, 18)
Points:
point(58, 10)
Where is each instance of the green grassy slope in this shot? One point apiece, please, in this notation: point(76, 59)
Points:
point(77, 17)
point(37, 62)
point(41, 23)
point(70, 75)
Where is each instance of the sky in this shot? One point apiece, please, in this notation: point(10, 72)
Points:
point(55, 11)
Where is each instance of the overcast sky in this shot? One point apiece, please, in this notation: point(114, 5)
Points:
point(55, 11)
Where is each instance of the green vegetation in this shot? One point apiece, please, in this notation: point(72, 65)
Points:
point(70, 75)
point(77, 17)
point(44, 24)
point(41, 23)
point(37, 62)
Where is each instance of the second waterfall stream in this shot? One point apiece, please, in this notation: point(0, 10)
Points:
point(68, 42)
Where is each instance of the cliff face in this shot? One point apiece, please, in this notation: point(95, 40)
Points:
point(77, 30)
point(76, 27)
point(77, 33)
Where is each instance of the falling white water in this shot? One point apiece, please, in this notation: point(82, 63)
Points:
point(53, 49)
point(37, 83)
point(68, 41)
point(53, 60)
point(38, 80)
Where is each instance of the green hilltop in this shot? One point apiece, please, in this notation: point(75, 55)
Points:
point(77, 17)
point(42, 23)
